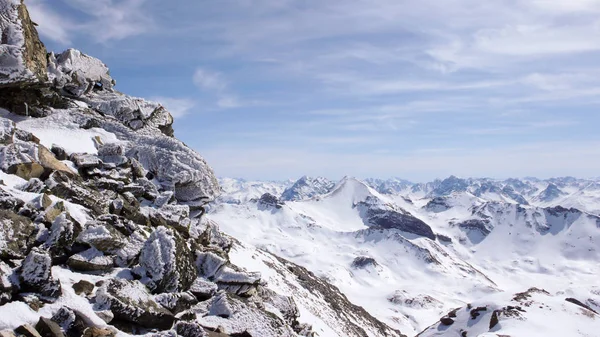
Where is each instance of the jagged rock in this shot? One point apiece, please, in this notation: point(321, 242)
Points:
point(62, 235)
point(7, 288)
point(405, 222)
point(446, 321)
point(98, 332)
point(59, 152)
point(130, 301)
point(203, 289)
point(48, 328)
point(35, 275)
point(51, 213)
point(15, 235)
point(306, 188)
point(106, 315)
point(269, 200)
point(34, 185)
point(103, 237)
point(27, 330)
point(90, 260)
point(167, 261)
point(23, 57)
point(8, 202)
point(176, 302)
point(83, 287)
point(72, 189)
point(86, 161)
point(361, 262)
point(187, 329)
point(40, 202)
point(176, 216)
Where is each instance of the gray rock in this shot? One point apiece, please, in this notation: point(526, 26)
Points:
point(167, 262)
point(48, 328)
point(83, 287)
point(27, 330)
point(35, 275)
point(130, 301)
point(15, 235)
point(90, 260)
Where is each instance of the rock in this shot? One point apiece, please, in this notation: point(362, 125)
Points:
point(35, 275)
point(106, 315)
point(103, 237)
point(90, 260)
point(62, 236)
point(72, 189)
point(476, 312)
point(176, 216)
point(32, 300)
point(23, 59)
point(494, 319)
point(27, 331)
point(203, 289)
point(15, 235)
point(48, 328)
point(447, 321)
point(6, 284)
point(7, 333)
point(86, 161)
point(209, 264)
point(269, 200)
point(98, 332)
point(393, 219)
point(167, 261)
point(77, 74)
point(59, 152)
point(83, 287)
point(188, 329)
point(40, 202)
point(51, 213)
point(362, 262)
point(176, 302)
point(26, 170)
point(34, 185)
point(8, 202)
point(130, 301)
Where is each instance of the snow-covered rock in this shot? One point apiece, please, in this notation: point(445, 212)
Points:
point(306, 188)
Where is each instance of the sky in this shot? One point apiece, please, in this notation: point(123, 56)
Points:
point(417, 89)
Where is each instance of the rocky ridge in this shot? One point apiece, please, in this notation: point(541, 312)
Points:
point(102, 226)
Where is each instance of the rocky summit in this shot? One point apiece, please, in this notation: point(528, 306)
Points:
point(101, 218)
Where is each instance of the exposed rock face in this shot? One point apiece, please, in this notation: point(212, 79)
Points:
point(362, 262)
point(22, 56)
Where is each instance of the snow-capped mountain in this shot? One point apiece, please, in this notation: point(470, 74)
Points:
point(306, 188)
point(411, 254)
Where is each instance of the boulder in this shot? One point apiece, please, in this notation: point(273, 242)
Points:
point(203, 289)
point(167, 262)
point(103, 237)
point(90, 260)
point(98, 332)
point(189, 329)
point(62, 236)
point(59, 152)
point(7, 288)
point(48, 328)
point(16, 235)
point(176, 302)
point(36, 277)
point(27, 330)
point(130, 301)
point(83, 287)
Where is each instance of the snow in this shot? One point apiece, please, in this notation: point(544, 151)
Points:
point(526, 246)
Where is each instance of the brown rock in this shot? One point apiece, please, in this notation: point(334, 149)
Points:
point(98, 332)
point(447, 321)
point(48, 328)
point(83, 287)
point(27, 331)
point(35, 51)
point(7, 333)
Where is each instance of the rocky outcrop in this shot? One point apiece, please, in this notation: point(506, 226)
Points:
point(306, 188)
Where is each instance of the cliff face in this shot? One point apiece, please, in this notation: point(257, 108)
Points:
point(101, 227)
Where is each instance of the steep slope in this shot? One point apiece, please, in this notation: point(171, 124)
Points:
point(101, 218)
point(306, 188)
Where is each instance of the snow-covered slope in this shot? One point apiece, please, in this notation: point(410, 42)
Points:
point(102, 230)
point(412, 254)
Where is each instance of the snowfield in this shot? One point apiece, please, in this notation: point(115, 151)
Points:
point(487, 248)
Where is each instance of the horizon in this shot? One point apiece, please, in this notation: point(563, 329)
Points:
point(363, 179)
point(270, 89)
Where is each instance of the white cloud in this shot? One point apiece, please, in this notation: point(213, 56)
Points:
point(209, 80)
point(102, 20)
point(178, 107)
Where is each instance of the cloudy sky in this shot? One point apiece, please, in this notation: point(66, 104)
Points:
point(274, 89)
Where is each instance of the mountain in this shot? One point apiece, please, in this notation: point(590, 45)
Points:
point(410, 256)
point(103, 229)
point(306, 188)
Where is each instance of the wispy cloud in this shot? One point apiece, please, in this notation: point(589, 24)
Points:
point(102, 20)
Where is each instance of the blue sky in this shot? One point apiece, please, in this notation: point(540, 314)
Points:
point(419, 89)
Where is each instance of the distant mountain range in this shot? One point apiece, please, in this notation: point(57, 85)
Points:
point(410, 253)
